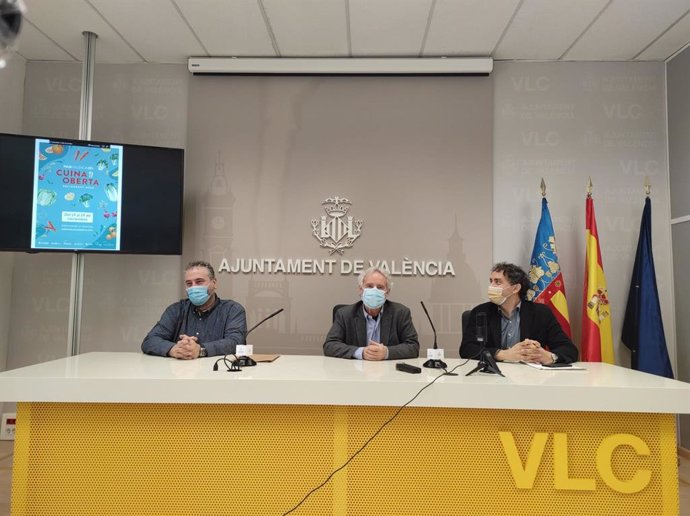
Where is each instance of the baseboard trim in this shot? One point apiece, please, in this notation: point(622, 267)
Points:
point(684, 452)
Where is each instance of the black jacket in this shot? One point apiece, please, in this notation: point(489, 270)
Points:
point(537, 322)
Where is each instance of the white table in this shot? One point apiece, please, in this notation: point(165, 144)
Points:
point(114, 433)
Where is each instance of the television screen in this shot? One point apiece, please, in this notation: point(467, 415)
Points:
point(86, 196)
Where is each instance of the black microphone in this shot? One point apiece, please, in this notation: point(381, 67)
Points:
point(244, 360)
point(487, 363)
point(490, 365)
point(261, 322)
point(480, 327)
point(433, 362)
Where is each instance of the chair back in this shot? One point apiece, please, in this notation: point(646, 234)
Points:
point(336, 308)
point(465, 320)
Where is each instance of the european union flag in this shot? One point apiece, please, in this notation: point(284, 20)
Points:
point(643, 329)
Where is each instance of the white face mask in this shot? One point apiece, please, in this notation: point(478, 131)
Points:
point(496, 295)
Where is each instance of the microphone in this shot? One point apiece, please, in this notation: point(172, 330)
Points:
point(487, 363)
point(490, 365)
point(262, 321)
point(244, 360)
point(480, 327)
point(435, 356)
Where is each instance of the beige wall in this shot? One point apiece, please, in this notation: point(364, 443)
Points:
point(11, 95)
point(123, 295)
point(567, 122)
point(413, 155)
point(679, 165)
point(11, 100)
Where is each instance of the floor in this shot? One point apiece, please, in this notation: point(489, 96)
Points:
point(6, 448)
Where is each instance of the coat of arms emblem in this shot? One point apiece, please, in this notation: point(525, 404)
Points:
point(335, 230)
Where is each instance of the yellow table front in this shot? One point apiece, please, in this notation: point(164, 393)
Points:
point(186, 459)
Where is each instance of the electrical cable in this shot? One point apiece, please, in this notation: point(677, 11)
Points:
point(375, 434)
point(232, 366)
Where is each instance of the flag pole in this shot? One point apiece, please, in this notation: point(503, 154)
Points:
point(596, 342)
point(643, 327)
point(546, 278)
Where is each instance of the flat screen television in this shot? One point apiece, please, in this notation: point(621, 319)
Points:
point(64, 195)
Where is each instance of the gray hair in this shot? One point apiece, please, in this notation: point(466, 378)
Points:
point(363, 275)
point(202, 265)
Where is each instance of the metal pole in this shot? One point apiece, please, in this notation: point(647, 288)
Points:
point(87, 85)
point(85, 116)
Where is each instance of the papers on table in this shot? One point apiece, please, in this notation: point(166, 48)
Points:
point(557, 367)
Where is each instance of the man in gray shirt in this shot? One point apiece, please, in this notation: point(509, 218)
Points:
point(201, 325)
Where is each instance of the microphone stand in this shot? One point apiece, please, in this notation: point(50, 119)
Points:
point(487, 363)
point(244, 360)
point(433, 363)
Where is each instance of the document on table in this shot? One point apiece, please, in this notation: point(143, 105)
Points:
point(264, 358)
point(557, 367)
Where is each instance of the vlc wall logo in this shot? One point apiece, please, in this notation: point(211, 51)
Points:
point(334, 230)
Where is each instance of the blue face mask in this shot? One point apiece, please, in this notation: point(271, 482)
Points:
point(198, 295)
point(373, 298)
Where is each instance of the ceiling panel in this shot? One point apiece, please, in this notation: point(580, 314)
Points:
point(558, 22)
point(384, 28)
point(145, 24)
point(132, 31)
point(625, 28)
point(65, 20)
point(675, 39)
point(308, 27)
point(225, 28)
point(467, 27)
point(32, 44)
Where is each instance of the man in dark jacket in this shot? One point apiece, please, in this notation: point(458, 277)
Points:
point(516, 329)
point(373, 328)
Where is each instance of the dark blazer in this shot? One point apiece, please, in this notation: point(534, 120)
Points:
point(349, 331)
point(537, 322)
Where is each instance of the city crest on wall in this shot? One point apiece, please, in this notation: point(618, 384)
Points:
point(336, 230)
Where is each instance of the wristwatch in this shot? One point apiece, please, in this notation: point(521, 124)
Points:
point(202, 352)
point(554, 357)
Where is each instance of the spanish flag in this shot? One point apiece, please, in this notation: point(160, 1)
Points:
point(545, 276)
point(597, 339)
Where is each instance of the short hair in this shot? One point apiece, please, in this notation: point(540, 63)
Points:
point(515, 275)
point(205, 265)
point(371, 270)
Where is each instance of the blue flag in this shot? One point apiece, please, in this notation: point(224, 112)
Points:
point(643, 329)
point(545, 277)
